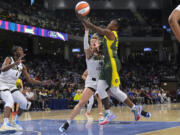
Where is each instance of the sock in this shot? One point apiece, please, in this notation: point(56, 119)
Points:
point(16, 118)
point(6, 120)
point(133, 108)
point(108, 111)
point(101, 114)
point(69, 122)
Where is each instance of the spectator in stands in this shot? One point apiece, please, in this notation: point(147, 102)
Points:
point(178, 94)
point(30, 96)
point(44, 98)
point(78, 96)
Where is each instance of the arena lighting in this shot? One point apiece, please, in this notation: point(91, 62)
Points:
point(32, 2)
point(108, 5)
point(5, 25)
point(147, 49)
point(154, 4)
point(76, 50)
point(62, 4)
point(131, 5)
point(164, 27)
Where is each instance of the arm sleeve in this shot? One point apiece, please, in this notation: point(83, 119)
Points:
point(86, 44)
point(178, 8)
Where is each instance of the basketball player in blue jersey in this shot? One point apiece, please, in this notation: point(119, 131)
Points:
point(10, 71)
point(109, 76)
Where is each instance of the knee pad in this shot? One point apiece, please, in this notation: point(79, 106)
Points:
point(120, 95)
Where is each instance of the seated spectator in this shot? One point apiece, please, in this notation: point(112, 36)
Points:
point(164, 95)
point(146, 96)
point(154, 96)
point(161, 100)
point(44, 98)
point(78, 96)
point(30, 96)
point(178, 94)
point(58, 94)
point(37, 102)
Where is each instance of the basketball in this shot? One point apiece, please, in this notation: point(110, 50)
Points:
point(82, 8)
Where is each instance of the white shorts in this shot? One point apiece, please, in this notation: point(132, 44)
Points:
point(19, 98)
point(91, 83)
point(7, 86)
point(9, 98)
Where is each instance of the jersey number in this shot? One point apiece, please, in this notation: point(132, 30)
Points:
point(17, 74)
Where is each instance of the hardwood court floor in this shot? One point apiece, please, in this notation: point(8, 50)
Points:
point(161, 114)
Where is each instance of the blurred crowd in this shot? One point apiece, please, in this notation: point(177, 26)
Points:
point(141, 22)
point(141, 75)
point(145, 71)
point(141, 78)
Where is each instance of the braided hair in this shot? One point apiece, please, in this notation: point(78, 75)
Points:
point(122, 23)
point(14, 49)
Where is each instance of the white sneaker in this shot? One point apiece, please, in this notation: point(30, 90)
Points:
point(101, 118)
point(107, 118)
point(137, 112)
point(17, 125)
point(7, 127)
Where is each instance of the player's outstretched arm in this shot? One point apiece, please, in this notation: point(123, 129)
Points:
point(30, 80)
point(173, 22)
point(6, 65)
point(84, 76)
point(87, 50)
point(102, 31)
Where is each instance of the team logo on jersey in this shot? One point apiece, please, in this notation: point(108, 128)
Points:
point(116, 80)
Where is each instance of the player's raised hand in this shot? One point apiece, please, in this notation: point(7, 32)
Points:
point(47, 83)
point(20, 59)
point(79, 16)
point(85, 27)
point(22, 56)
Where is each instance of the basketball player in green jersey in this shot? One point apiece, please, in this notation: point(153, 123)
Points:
point(109, 77)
